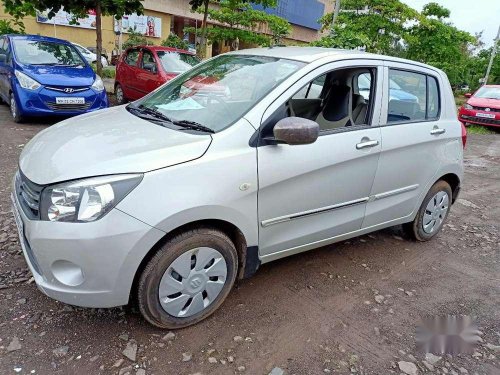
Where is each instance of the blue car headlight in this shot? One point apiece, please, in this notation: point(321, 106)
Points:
point(26, 82)
point(98, 84)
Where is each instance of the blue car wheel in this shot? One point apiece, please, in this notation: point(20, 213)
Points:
point(15, 110)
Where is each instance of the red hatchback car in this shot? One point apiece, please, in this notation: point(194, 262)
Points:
point(143, 69)
point(482, 108)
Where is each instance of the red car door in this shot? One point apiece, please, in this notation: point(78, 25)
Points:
point(148, 75)
point(126, 73)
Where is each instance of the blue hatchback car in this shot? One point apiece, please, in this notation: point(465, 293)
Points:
point(47, 76)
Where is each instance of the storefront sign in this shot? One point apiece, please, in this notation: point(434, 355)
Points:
point(64, 18)
point(145, 25)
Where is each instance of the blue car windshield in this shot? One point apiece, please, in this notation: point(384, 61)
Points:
point(35, 52)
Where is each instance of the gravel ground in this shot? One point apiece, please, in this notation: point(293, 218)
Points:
point(348, 308)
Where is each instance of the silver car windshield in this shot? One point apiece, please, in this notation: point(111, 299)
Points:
point(220, 91)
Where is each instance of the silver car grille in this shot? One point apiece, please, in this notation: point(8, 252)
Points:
point(28, 194)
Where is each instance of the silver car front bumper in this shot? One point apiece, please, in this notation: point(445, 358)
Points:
point(85, 264)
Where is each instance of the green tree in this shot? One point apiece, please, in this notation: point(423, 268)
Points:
point(202, 6)
point(135, 39)
point(79, 9)
point(175, 42)
point(236, 21)
point(17, 11)
point(279, 27)
point(378, 26)
point(438, 43)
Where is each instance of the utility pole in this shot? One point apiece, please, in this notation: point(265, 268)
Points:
point(493, 53)
point(335, 15)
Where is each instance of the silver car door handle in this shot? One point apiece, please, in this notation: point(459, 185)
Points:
point(437, 131)
point(366, 144)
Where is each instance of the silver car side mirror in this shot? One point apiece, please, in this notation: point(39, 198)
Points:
point(296, 131)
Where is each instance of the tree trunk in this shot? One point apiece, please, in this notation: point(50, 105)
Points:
point(98, 29)
point(335, 15)
point(203, 42)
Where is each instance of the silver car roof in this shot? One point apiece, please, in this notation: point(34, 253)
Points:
point(310, 54)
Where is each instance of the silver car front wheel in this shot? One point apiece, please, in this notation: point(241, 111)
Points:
point(192, 282)
point(188, 278)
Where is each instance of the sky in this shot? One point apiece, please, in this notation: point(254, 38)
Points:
point(469, 15)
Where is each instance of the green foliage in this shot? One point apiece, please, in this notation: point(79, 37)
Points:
point(78, 8)
point(107, 72)
point(175, 42)
point(236, 21)
point(135, 39)
point(376, 25)
point(440, 44)
point(393, 28)
point(279, 27)
point(11, 27)
point(478, 129)
point(18, 10)
point(436, 10)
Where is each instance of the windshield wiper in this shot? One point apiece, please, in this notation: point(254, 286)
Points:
point(149, 114)
point(193, 125)
point(152, 112)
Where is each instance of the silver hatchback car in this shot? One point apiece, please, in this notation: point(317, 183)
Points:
point(249, 157)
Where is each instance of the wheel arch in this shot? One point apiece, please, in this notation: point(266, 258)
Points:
point(248, 258)
point(454, 181)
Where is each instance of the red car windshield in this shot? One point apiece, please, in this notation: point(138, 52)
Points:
point(176, 62)
point(486, 92)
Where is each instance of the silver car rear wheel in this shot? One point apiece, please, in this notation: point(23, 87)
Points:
point(192, 282)
point(432, 213)
point(435, 212)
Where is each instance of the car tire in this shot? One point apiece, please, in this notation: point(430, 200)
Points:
point(120, 95)
point(14, 109)
point(432, 213)
point(188, 278)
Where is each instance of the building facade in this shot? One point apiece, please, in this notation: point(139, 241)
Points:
point(164, 17)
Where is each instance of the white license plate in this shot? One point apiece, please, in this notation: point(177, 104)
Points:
point(17, 217)
point(485, 115)
point(70, 100)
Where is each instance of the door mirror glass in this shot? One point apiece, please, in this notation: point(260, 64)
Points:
point(468, 95)
point(296, 131)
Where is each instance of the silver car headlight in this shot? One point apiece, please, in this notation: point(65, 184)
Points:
point(86, 200)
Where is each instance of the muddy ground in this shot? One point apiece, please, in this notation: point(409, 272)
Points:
point(352, 307)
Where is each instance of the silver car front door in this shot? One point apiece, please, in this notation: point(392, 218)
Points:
point(309, 194)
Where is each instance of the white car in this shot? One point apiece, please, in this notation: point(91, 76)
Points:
point(173, 197)
point(91, 57)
